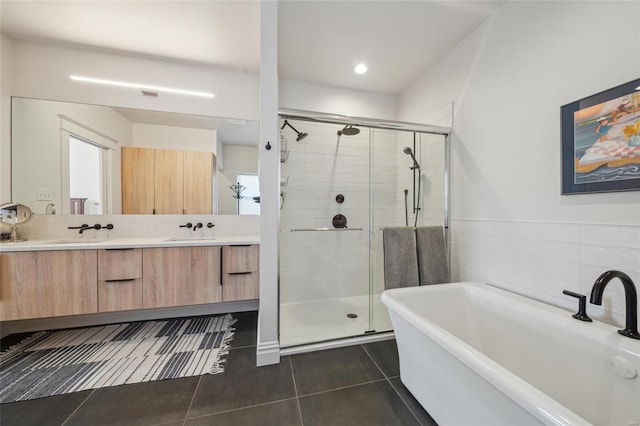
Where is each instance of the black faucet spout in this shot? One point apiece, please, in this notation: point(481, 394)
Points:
point(630, 297)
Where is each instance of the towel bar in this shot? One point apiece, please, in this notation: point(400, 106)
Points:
point(324, 229)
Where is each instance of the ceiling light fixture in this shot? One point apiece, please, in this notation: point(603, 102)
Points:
point(142, 87)
point(360, 69)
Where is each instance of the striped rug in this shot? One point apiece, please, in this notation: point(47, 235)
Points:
point(57, 362)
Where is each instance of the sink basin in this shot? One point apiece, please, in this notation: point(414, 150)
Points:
point(191, 239)
point(78, 241)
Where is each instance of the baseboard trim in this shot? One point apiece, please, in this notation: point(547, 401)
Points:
point(267, 353)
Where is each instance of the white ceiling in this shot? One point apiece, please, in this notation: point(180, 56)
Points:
point(223, 33)
point(322, 41)
point(319, 41)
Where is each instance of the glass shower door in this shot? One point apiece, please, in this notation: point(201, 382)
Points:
point(324, 237)
point(402, 195)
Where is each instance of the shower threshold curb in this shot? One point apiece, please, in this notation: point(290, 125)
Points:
point(340, 343)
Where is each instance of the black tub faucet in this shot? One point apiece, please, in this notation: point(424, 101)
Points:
point(630, 297)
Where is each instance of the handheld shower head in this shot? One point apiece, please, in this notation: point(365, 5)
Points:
point(301, 135)
point(408, 151)
point(349, 130)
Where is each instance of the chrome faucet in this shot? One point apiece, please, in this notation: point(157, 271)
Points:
point(630, 297)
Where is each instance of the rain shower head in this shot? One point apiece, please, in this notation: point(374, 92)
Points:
point(408, 151)
point(349, 130)
point(301, 135)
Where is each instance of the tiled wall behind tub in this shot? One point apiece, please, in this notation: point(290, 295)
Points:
point(540, 259)
point(320, 265)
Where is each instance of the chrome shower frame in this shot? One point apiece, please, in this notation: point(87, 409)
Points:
point(294, 114)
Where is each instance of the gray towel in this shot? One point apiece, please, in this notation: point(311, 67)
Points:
point(400, 261)
point(432, 255)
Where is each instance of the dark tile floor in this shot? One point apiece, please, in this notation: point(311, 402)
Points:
point(356, 385)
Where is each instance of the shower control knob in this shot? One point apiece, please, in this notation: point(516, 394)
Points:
point(339, 221)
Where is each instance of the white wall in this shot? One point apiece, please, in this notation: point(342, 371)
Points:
point(176, 138)
point(335, 100)
point(238, 159)
point(6, 82)
point(37, 158)
point(508, 81)
point(42, 71)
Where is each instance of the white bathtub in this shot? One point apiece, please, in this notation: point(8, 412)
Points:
point(477, 355)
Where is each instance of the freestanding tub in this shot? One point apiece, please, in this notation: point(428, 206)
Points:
point(477, 355)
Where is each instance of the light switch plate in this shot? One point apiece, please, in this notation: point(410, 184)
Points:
point(44, 194)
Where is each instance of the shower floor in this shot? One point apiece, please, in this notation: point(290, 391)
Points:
point(320, 320)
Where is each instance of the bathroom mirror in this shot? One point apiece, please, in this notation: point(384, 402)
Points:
point(14, 215)
point(66, 158)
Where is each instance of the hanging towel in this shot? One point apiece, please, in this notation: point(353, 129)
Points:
point(400, 261)
point(432, 255)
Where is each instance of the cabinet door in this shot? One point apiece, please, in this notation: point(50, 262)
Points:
point(119, 279)
point(169, 181)
point(165, 276)
point(198, 182)
point(120, 294)
point(205, 274)
point(180, 276)
point(240, 278)
point(48, 283)
point(137, 180)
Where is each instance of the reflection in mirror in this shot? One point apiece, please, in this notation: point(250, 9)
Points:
point(69, 158)
point(15, 215)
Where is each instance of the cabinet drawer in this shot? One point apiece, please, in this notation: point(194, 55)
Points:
point(239, 259)
point(240, 286)
point(119, 294)
point(116, 264)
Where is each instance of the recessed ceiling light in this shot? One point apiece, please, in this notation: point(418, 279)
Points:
point(144, 87)
point(360, 69)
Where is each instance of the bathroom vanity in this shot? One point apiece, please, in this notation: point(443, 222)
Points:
point(41, 279)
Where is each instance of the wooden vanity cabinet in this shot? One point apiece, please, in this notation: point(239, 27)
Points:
point(240, 275)
point(41, 284)
point(178, 276)
point(119, 279)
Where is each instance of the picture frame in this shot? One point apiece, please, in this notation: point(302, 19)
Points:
point(601, 141)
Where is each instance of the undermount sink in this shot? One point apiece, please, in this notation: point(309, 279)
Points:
point(78, 241)
point(191, 239)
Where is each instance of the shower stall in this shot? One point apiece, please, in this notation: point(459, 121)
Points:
point(341, 184)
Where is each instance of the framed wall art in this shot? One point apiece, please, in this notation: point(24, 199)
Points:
point(601, 141)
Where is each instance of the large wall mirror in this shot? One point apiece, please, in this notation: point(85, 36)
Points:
point(70, 158)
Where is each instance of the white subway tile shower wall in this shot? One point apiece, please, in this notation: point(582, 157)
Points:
point(321, 265)
point(542, 259)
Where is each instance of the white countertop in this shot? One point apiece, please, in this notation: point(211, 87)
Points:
point(119, 243)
